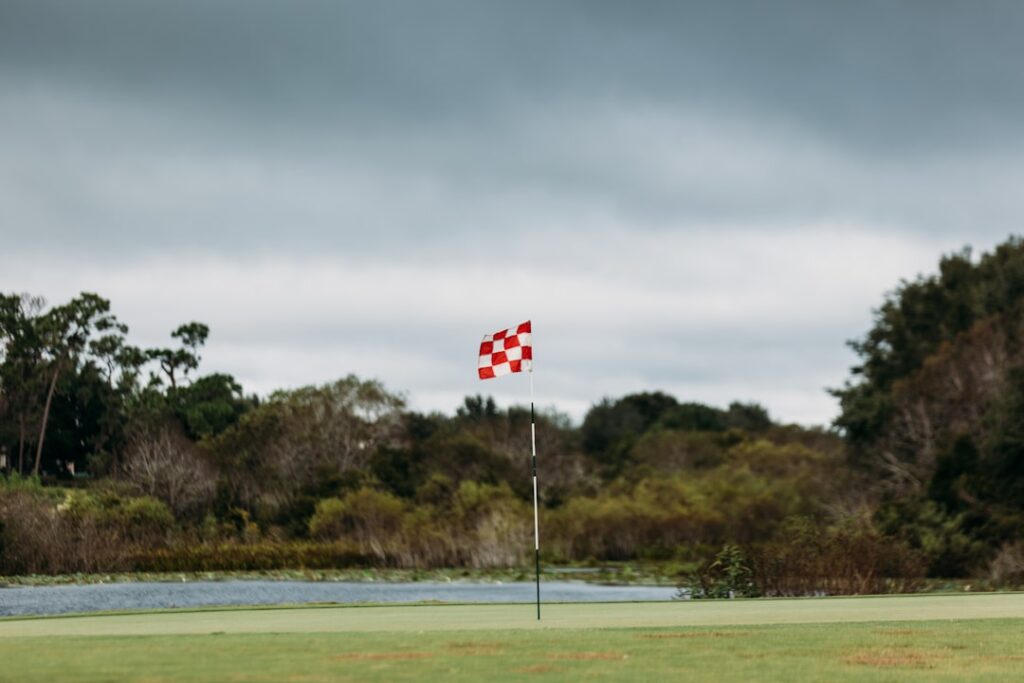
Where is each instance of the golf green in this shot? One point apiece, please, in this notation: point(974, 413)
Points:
point(926, 637)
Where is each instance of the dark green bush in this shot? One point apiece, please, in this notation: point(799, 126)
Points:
point(811, 558)
point(727, 576)
point(250, 557)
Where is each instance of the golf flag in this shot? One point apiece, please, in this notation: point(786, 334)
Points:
point(503, 353)
point(506, 351)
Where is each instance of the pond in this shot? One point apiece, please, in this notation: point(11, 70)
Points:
point(121, 596)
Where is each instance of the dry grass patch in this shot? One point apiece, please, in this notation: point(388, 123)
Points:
point(588, 656)
point(899, 631)
point(382, 656)
point(538, 669)
point(915, 659)
point(477, 648)
point(1002, 658)
point(694, 634)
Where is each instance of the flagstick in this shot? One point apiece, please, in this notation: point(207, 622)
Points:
point(536, 521)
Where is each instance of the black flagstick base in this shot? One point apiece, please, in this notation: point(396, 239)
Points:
point(538, 583)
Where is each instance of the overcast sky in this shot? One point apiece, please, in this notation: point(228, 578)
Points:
point(703, 198)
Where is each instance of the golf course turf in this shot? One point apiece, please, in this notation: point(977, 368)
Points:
point(925, 638)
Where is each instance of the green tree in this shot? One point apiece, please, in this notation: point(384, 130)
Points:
point(286, 447)
point(610, 428)
point(65, 333)
point(20, 363)
point(913, 324)
point(209, 405)
point(177, 363)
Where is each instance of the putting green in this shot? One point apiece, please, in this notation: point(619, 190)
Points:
point(923, 639)
point(422, 618)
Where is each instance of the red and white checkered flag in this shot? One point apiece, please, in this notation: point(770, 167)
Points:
point(505, 352)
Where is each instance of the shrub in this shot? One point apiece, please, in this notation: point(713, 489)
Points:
point(669, 450)
point(33, 537)
point(1007, 569)
point(809, 558)
point(328, 520)
point(492, 525)
point(140, 521)
point(727, 576)
point(78, 532)
point(164, 464)
point(370, 519)
point(941, 537)
point(480, 525)
point(249, 557)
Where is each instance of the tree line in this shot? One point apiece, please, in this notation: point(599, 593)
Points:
point(125, 458)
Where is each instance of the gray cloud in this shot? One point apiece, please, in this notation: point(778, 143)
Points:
point(887, 72)
point(701, 197)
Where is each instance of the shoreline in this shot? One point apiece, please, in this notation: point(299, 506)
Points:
point(609, 575)
point(613, 576)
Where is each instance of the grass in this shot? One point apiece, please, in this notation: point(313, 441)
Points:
point(907, 638)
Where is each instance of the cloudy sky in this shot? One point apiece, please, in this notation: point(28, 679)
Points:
point(706, 198)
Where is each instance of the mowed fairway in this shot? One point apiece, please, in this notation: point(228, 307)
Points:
point(926, 638)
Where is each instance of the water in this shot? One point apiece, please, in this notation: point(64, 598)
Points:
point(120, 596)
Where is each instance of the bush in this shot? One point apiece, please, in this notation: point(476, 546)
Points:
point(670, 450)
point(476, 525)
point(809, 558)
point(492, 525)
point(727, 576)
point(162, 463)
point(50, 531)
point(368, 518)
point(328, 520)
point(32, 536)
point(134, 521)
point(1007, 569)
point(941, 537)
point(704, 509)
point(249, 557)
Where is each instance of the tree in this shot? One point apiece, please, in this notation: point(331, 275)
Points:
point(297, 439)
point(610, 428)
point(164, 464)
point(177, 363)
point(476, 408)
point(931, 413)
point(913, 324)
point(41, 346)
point(65, 332)
point(20, 361)
point(209, 405)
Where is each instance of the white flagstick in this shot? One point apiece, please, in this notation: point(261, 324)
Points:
point(536, 521)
